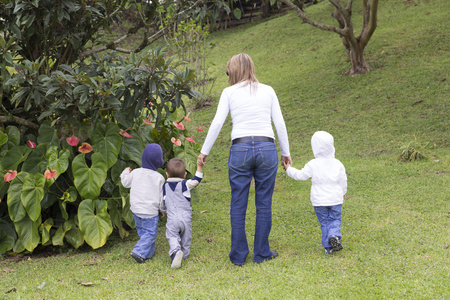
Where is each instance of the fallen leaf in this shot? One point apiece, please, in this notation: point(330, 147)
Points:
point(89, 263)
point(87, 283)
point(209, 240)
point(446, 246)
point(104, 278)
point(11, 290)
point(203, 211)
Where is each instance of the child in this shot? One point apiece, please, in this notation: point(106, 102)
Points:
point(146, 200)
point(177, 199)
point(329, 185)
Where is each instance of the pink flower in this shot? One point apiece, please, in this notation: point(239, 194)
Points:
point(31, 144)
point(85, 148)
point(72, 141)
point(179, 125)
point(49, 174)
point(187, 117)
point(125, 134)
point(147, 122)
point(190, 139)
point(10, 175)
point(176, 141)
point(200, 128)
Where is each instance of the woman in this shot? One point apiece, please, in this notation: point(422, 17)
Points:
point(253, 154)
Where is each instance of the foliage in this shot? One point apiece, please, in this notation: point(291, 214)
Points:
point(414, 150)
point(70, 126)
point(188, 39)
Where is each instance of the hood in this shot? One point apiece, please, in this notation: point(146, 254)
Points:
point(322, 144)
point(152, 158)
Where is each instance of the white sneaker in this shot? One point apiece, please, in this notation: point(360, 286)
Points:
point(176, 262)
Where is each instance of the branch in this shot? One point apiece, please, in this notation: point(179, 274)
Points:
point(20, 121)
point(311, 22)
point(371, 22)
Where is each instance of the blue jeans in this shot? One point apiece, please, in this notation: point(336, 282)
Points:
point(330, 222)
point(147, 230)
point(258, 160)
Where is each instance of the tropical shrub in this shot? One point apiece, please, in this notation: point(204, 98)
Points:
point(62, 181)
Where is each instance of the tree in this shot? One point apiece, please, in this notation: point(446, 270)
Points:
point(354, 45)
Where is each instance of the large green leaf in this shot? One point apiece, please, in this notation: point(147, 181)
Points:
point(14, 157)
point(6, 242)
point(132, 149)
point(47, 134)
point(28, 233)
point(127, 215)
point(13, 136)
point(116, 219)
point(94, 222)
point(74, 235)
point(107, 141)
point(3, 138)
point(37, 160)
point(89, 181)
point(44, 229)
point(32, 194)
point(57, 160)
point(189, 156)
point(16, 209)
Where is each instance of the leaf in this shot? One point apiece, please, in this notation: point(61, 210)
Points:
point(94, 222)
point(32, 194)
point(132, 150)
point(57, 160)
point(44, 229)
point(13, 136)
point(189, 156)
point(116, 219)
point(47, 134)
point(28, 233)
point(6, 242)
point(87, 283)
point(74, 236)
point(89, 181)
point(14, 157)
point(36, 161)
point(16, 209)
point(3, 138)
point(107, 141)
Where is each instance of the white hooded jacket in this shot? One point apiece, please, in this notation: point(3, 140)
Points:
point(329, 181)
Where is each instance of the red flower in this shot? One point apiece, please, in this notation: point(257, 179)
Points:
point(31, 144)
point(190, 139)
point(10, 175)
point(200, 128)
point(187, 117)
point(125, 134)
point(85, 148)
point(49, 174)
point(72, 141)
point(179, 125)
point(176, 141)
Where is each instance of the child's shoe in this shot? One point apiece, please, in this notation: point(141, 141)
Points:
point(335, 243)
point(177, 258)
point(328, 250)
point(139, 259)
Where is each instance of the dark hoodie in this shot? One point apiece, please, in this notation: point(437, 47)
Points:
point(152, 157)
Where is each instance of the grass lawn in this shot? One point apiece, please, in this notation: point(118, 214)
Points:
point(396, 217)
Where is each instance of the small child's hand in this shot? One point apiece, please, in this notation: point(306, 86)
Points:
point(285, 164)
point(163, 214)
point(129, 169)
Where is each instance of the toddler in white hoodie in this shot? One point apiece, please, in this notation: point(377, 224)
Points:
point(329, 186)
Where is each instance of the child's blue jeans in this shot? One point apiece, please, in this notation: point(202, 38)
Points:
point(330, 222)
point(147, 230)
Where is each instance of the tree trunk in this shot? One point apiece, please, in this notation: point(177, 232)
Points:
point(358, 63)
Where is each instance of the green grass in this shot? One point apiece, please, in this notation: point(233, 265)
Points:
point(396, 217)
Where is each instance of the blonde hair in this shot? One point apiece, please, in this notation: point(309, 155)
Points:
point(241, 68)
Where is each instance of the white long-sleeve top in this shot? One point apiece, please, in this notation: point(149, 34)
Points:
point(253, 108)
point(329, 181)
point(146, 193)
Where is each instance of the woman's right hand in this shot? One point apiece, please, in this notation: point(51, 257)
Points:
point(201, 159)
